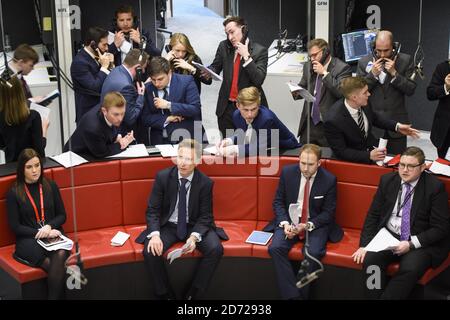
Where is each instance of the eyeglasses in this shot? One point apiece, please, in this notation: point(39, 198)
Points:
point(408, 166)
point(313, 55)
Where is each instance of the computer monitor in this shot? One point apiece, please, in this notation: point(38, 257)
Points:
point(357, 44)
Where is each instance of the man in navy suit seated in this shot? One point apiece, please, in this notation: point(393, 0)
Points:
point(257, 128)
point(172, 105)
point(122, 79)
point(97, 132)
point(89, 69)
point(310, 191)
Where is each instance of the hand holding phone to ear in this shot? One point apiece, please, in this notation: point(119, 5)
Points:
point(242, 49)
point(119, 38)
point(389, 65)
point(135, 35)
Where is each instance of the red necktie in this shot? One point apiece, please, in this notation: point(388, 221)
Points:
point(234, 83)
point(305, 205)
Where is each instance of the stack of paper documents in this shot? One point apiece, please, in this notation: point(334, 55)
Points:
point(440, 168)
point(52, 244)
point(167, 150)
point(69, 159)
point(133, 151)
point(384, 240)
point(175, 254)
point(214, 75)
point(119, 239)
point(299, 92)
point(43, 111)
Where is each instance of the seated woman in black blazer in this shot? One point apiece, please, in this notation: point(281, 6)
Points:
point(181, 55)
point(30, 219)
point(20, 127)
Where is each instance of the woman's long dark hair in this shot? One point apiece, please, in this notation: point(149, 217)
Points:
point(25, 156)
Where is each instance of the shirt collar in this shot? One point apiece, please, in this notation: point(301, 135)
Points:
point(90, 54)
point(107, 122)
point(352, 111)
point(189, 177)
point(312, 177)
point(412, 183)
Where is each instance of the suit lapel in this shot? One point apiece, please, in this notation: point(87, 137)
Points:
point(417, 199)
point(295, 185)
point(392, 198)
point(350, 121)
point(173, 189)
point(316, 185)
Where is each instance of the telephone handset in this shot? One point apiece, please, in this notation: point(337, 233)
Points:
point(244, 33)
point(139, 74)
point(168, 48)
point(396, 47)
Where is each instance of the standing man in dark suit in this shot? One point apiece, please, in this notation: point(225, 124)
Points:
point(323, 73)
point(314, 190)
point(388, 73)
point(244, 64)
point(255, 125)
point(180, 209)
point(172, 109)
point(97, 132)
point(89, 69)
point(412, 206)
point(124, 79)
point(127, 36)
point(439, 88)
point(348, 124)
point(24, 59)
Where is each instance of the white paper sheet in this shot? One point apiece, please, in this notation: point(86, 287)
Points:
point(383, 240)
point(214, 75)
point(294, 213)
point(119, 239)
point(382, 145)
point(69, 159)
point(110, 37)
point(43, 111)
point(168, 150)
point(133, 151)
point(175, 254)
point(211, 150)
point(296, 89)
point(447, 156)
point(440, 168)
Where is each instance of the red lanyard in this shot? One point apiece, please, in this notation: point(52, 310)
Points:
point(41, 222)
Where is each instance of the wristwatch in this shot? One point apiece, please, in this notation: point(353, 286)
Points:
point(411, 245)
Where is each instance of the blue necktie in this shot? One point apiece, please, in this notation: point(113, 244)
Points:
point(181, 224)
point(405, 231)
point(315, 112)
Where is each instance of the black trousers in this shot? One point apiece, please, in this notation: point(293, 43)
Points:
point(210, 247)
point(442, 151)
point(279, 250)
point(395, 145)
point(412, 267)
point(316, 134)
point(225, 121)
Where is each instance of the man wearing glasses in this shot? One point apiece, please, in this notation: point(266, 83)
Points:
point(412, 205)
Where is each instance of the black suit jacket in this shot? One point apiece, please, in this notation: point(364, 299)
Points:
point(87, 81)
point(322, 200)
point(330, 92)
point(435, 91)
point(389, 98)
point(94, 137)
point(344, 136)
point(253, 74)
point(430, 216)
point(163, 199)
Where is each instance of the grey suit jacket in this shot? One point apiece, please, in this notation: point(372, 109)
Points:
point(253, 74)
point(330, 89)
point(389, 98)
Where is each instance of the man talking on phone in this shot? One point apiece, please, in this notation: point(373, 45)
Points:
point(387, 72)
point(243, 63)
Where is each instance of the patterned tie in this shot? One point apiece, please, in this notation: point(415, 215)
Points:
point(315, 111)
point(181, 223)
point(304, 218)
point(165, 111)
point(248, 134)
point(361, 123)
point(405, 231)
point(234, 82)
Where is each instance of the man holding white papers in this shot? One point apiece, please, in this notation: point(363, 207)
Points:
point(412, 205)
point(97, 133)
point(439, 89)
point(243, 63)
point(323, 73)
point(255, 125)
point(349, 123)
point(313, 190)
point(180, 210)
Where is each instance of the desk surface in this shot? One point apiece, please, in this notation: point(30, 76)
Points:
point(285, 63)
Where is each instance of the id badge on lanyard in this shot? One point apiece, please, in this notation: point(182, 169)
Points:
point(40, 221)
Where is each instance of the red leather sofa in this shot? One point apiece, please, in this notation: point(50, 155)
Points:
point(112, 196)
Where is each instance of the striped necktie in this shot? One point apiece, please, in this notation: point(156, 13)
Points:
point(361, 123)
